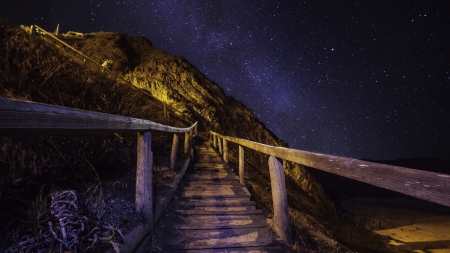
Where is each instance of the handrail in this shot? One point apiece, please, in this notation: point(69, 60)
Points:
point(29, 118)
point(23, 117)
point(430, 186)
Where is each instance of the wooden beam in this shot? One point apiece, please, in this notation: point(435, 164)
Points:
point(173, 154)
point(225, 150)
point(29, 118)
point(430, 186)
point(281, 220)
point(144, 177)
point(186, 144)
point(241, 166)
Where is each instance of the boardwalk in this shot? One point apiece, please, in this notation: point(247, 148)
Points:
point(214, 213)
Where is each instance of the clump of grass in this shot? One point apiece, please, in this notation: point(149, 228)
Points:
point(34, 69)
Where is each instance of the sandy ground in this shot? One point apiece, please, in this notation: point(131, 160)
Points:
point(408, 225)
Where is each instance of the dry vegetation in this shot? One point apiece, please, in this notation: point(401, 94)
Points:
point(37, 172)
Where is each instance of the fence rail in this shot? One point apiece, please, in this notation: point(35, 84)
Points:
point(430, 186)
point(28, 118)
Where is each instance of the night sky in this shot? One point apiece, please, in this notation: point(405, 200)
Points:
point(360, 79)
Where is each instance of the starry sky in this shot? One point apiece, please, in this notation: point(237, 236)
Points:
point(360, 79)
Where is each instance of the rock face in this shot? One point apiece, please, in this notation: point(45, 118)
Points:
point(184, 88)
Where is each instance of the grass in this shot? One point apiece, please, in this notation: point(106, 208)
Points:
point(32, 168)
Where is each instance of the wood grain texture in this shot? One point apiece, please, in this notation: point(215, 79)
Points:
point(430, 186)
point(241, 166)
point(144, 177)
point(29, 118)
point(173, 153)
point(281, 218)
point(214, 213)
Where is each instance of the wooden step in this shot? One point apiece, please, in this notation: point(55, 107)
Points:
point(214, 194)
point(209, 177)
point(218, 224)
point(217, 188)
point(214, 213)
point(226, 210)
point(248, 240)
point(216, 203)
point(220, 233)
point(264, 249)
point(196, 218)
point(217, 182)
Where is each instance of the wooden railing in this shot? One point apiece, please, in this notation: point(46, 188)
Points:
point(18, 118)
point(430, 186)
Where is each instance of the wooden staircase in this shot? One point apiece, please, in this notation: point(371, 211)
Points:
point(214, 213)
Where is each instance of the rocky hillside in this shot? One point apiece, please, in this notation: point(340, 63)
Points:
point(183, 87)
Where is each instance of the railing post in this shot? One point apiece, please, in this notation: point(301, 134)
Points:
point(144, 180)
point(241, 166)
point(219, 142)
point(225, 150)
point(214, 141)
point(281, 219)
point(173, 154)
point(191, 136)
point(186, 143)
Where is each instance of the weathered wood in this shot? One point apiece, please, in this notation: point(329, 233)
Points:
point(215, 211)
point(219, 142)
point(187, 146)
point(261, 249)
point(430, 186)
point(281, 220)
point(220, 211)
point(251, 239)
point(225, 150)
point(216, 203)
point(241, 166)
point(173, 154)
point(210, 194)
point(216, 224)
point(144, 181)
point(214, 141)
point(28, 118)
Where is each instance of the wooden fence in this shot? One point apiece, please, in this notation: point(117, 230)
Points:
point(430, 186)
point(18, 118)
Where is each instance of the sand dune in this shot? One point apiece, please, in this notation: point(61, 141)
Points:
point(409, 225)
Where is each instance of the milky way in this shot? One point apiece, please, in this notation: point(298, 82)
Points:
point(349, 78)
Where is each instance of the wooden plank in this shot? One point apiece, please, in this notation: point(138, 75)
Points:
point(215, 218)
point(217, 203)
point(210, 177)
point(220, 233)
point(23, 117)
point(218, 212)
point(216, 188)
point(218, 209)
point(210, 194)
point(431, 186)
point(248, 240)
point(264, 249)
point(211, 224)
point(217, 182)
